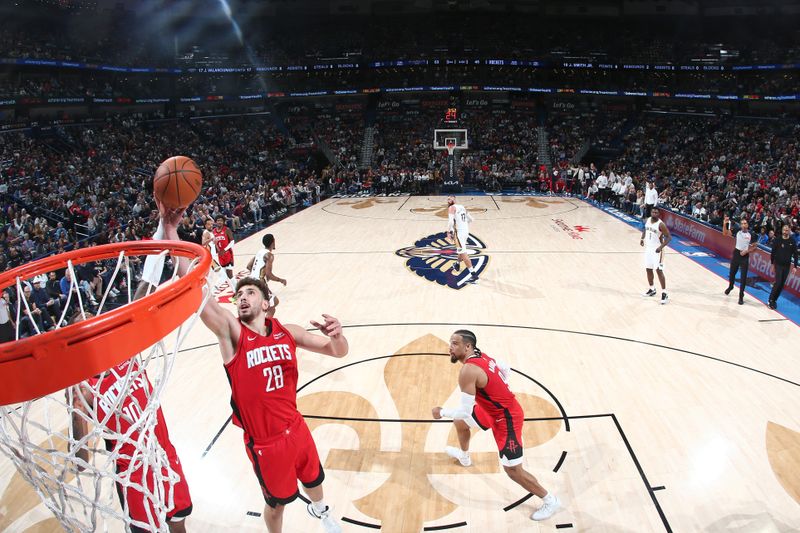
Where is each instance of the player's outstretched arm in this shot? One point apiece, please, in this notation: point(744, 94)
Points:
point(467, 382)
point(333, 343)
point(220, 321)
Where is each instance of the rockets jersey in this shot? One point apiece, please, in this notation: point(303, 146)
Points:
point(495, 398)
point(652, 234)
point(263, 378)
point(222, 242)
point(125, 407)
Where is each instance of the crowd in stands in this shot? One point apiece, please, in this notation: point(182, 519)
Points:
point(503, 148)
point(718, 166)
point(73, 186)
point(91, 184)
point(403, 141)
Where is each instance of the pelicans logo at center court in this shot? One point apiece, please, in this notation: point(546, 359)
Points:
point(435, 259)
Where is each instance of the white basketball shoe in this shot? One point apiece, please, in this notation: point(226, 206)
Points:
point(458, 453)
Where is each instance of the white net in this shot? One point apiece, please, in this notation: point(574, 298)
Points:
point(98, 453)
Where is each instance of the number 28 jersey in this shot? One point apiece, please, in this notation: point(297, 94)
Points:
point(263, 378)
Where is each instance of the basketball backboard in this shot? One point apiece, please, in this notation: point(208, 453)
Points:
point(445, 139)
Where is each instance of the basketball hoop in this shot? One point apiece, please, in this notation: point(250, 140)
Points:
point(451, 146)
point(75, 474)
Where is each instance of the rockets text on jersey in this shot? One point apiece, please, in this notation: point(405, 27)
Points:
point(263, 377)
point(121, 402)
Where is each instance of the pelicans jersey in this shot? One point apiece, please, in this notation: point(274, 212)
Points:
point(653, 260)
point(497, 408)
point(263, 379)
point(462, 218)
point(262, 256)
point(212, 246)
point(652, 234)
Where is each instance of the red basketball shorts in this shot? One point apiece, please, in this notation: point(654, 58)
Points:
point(225, 259)
point(138, 505)
point(282, 460)
point(507, 431)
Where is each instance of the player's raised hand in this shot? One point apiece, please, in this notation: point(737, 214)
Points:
point(170, 217)
point(330, 328)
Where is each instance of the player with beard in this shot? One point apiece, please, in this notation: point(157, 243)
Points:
point(655, 237)
point(458, 220)
point(259, 354)
point(488, 403)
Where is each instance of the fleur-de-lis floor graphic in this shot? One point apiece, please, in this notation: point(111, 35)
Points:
point(418, 378)
point(532, 201)
point(367, 202)
point(783, 450)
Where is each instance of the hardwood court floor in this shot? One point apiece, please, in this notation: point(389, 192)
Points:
point(642, 417)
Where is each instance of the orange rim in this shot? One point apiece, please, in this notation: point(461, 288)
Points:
point(51, 361)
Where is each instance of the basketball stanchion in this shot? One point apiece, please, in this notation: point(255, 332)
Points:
point(67, 421)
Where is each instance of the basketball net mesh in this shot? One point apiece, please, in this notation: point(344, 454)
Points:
point(83, 448)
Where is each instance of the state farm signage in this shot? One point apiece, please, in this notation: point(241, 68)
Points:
point(722, 245)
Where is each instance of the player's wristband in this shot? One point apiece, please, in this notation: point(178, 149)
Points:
point(464, 410)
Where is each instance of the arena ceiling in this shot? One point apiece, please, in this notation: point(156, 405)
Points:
point(390, 7)
point(544, 7)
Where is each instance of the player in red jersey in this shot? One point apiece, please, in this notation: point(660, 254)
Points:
point(488, 403)
point(223, 239)
point(120, 415)
point(260, 358)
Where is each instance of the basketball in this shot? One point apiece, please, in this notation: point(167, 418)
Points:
point(177, 182)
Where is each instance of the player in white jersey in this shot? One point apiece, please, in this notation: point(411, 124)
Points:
point(655, 237)
point(208, 242)
point(458, 227)
point(260, 267)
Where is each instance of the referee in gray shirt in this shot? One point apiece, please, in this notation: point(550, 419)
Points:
point(741, 259)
